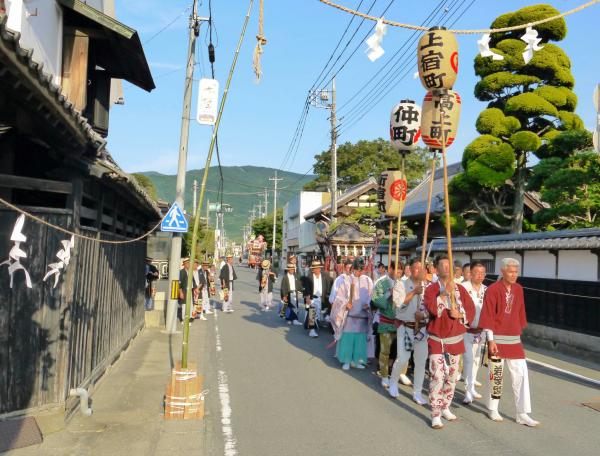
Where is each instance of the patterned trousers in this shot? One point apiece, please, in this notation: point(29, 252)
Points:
point(442, 382)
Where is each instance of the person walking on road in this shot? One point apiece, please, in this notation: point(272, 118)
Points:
point(503, 318)
point(290, 289)
point(411, 336)
point(266, 278)
point(151, 274)
point(448, 317)
point(227, 277)
point(316, 297)
point(351, 317)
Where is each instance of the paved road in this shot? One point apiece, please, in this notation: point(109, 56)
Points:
point(283, 393)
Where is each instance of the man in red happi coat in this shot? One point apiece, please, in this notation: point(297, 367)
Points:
point(446, 329)
point(503, 318)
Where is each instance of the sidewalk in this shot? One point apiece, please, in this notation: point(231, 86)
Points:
point(128, 406)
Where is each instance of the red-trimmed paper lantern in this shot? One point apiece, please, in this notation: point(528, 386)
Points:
point(441, 113)
point(405, 125)
point(391, 192)
point(437, 59)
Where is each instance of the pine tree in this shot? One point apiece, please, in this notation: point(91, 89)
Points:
point(528, 105)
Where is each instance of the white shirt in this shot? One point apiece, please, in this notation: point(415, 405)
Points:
point(477, 298)
point(292, 281)
point(406, 312)
point(338, 281)
point(317, 286)
point(230, 271)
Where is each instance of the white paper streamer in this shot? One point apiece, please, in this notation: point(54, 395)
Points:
point(375, 50)
point(532, 40)
point(64, 255)
point(16, 253)
point(484, 48)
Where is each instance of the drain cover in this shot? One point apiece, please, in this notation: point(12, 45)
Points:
point(19, 433)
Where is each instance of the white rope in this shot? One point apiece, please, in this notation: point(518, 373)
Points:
point(458, 31)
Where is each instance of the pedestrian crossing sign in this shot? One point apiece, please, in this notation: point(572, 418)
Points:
point(174, 221)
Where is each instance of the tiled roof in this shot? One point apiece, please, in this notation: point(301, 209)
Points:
point(349, 195)
point(582, 239)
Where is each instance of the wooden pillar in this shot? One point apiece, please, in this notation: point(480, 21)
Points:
point(75, 67)
point(555, 253)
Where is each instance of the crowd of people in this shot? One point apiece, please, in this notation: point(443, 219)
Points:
point(448, 324)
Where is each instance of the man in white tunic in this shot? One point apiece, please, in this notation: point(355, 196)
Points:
point(475, 337)
point(411, 335)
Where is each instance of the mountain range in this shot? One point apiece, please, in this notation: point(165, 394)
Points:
point(243, 189)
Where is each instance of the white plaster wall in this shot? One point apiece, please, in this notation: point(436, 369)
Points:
point(460, 256)
point(501, 255)
point(539, 263)
point(40, 25)
point(309, 201)
point(577, 265)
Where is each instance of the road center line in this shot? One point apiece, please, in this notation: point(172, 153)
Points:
point(226, 426)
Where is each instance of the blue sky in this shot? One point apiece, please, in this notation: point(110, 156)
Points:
point(259, 120)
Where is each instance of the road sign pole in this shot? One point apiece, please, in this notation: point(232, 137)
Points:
point(175, 257)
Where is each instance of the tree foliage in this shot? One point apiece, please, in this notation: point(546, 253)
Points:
point(569, 182)
point(264, 226)
point(206, 242)
point(146, 184)
point(528, 105)
point(357, 162)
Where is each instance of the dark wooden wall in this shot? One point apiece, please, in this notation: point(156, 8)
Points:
point(52, 340)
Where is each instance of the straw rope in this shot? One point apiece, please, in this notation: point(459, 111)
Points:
point(260, 42)
point(461, 31)
point(72, 233)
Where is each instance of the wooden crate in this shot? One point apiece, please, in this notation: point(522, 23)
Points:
point(183, 399)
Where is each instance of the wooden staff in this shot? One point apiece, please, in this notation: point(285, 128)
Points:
point(447, 208)
point(428, 212)
point(426, 228)
point(390, 245)
point(400, 209)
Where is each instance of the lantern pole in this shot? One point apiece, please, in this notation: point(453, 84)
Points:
point(428, 212)
point(400, 209)
point(391, 237)
point(447, 206)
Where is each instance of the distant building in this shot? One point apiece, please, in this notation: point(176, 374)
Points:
point(298, 234)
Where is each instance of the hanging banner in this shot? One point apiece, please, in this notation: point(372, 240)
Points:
point(434, 106)
point(405, 125)
point(391, 191)
point(437, 59)
point(208, 101)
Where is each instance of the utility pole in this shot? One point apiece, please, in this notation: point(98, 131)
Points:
point(195, 195)
point(333, 153)
point(260, 212)
point(266, 201)
point(275, 180)
point(176, 240)
point(320, 99)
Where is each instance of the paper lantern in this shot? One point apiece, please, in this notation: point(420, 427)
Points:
point(391, 192)
point(437, 59)
point(405, 125)
point(432, 127)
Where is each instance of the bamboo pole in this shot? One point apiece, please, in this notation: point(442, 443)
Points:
point(188, 297)
point(428, 212)
point(447, 210)
point(391, 237)
point(398, 228)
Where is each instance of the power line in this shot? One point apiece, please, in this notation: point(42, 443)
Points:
point(401, 61)
point(168, 25)
point(383, 92)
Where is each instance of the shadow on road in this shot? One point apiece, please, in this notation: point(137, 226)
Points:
point(297, 336)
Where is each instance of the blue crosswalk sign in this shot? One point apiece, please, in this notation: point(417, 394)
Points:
point(174, 221)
